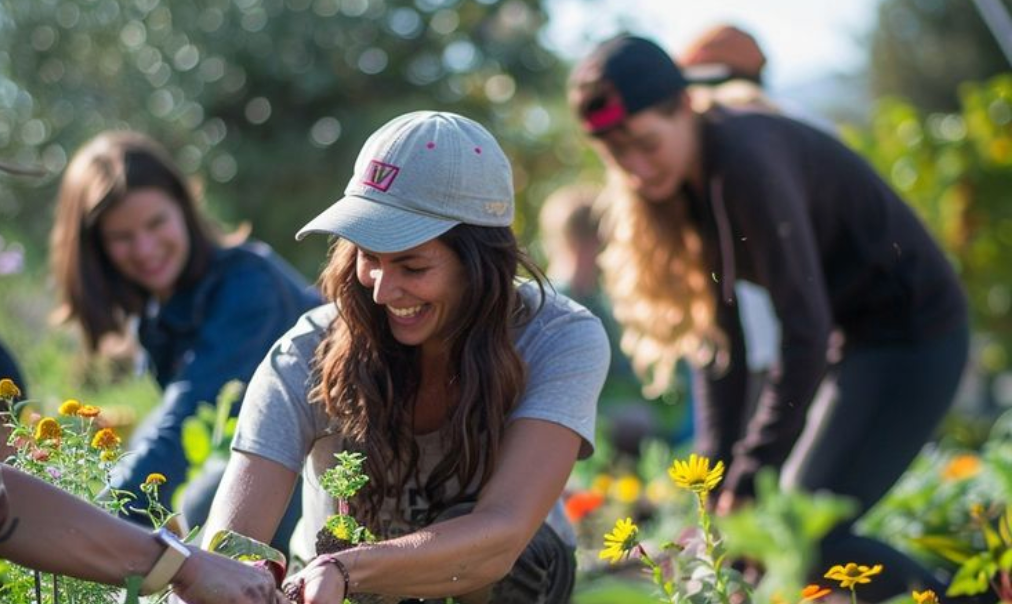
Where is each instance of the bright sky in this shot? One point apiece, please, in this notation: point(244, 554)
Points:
point(802, 39)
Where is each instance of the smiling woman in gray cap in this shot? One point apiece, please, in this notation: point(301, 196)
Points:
point(471, 394)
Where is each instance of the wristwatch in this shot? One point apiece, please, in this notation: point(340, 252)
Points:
point(167, 565)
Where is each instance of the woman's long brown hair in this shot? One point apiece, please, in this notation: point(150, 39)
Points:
point(655, 276)
point(101, 175)
point(368, 382)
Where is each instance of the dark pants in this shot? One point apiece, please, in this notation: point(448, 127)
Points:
point(544, 573)
point(863, 431)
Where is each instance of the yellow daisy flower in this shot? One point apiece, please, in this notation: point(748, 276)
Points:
point(48, 429)
point(696, 474)
point(70, 407)
point(88, 411)
point(154, 479)
point(626, 489)
point(925, 597)
point(9, 390)
point(105, 439)
point(620, 541)
point(853, 574)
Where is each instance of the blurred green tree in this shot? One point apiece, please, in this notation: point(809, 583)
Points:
point(269, 101)
point(956, 170)
point(922, 50)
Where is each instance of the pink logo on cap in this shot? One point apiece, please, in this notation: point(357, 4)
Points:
point(380, 175)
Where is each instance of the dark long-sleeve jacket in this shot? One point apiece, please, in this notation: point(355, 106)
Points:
point(792, 209)
point(202, 337)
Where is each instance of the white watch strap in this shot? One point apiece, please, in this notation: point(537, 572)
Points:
point(167, 565)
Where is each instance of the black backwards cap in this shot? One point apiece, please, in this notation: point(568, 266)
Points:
point(622, 76)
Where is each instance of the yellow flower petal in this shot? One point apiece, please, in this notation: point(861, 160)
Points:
point(70, 407)
point(48, 429)
point(620, 541)
point(154, 479)
point(696, 474)
point(9, 390)
point(105, 439)
point(925, 597)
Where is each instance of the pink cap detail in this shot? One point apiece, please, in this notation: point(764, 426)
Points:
point(430, 145)
point(477, 150)
point(608, 116)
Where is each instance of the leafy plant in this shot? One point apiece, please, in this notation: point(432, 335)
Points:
point(342, 482)
point(984, 556)
point(73, 452)
point(781, 530)
point(693, 569)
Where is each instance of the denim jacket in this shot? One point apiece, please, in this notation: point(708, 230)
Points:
point(202, 337)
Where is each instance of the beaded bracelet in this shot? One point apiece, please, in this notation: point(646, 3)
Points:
point(332, 559)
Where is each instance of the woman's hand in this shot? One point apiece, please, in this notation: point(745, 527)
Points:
point(319, 583)
point(727, 502)
point(208, 578)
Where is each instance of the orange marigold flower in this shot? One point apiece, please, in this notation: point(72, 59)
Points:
point(70, 407)
point(814, 592)
point(154, 479)
point(579, 504)
point(88, 411)
point(925, 597)
point(48, 429)
point(105, 439)
point(961, 467)
point(9, 390)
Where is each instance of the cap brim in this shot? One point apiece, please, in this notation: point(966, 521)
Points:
point(375, 226)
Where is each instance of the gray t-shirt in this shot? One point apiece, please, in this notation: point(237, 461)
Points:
point(567, 355)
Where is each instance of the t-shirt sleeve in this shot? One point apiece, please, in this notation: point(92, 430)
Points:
point(567, 362)
point(276, 421)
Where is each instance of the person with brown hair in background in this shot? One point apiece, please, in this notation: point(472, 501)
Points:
point(701, 199)
point(133, 256)
point(46, 529)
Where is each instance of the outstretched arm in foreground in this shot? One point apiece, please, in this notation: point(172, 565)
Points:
point(50, 530)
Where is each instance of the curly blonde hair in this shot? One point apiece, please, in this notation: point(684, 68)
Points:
point(654, 274)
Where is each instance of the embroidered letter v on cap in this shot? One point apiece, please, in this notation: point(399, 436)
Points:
point(380, 175)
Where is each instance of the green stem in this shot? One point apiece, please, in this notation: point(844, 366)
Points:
point(853, 595)
point(655, 571)
point(718, 576)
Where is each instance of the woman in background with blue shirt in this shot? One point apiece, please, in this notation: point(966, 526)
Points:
point(131, 248)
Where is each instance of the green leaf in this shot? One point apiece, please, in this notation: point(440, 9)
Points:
point(950, 548)
point(227, 397)
point(196, 441)
point(972, 577)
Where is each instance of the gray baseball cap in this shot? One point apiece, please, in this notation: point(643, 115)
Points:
point(418, 176)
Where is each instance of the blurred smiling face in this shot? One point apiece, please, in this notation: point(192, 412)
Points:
point(420, 289)
point(652, 150)
point(145, 238)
